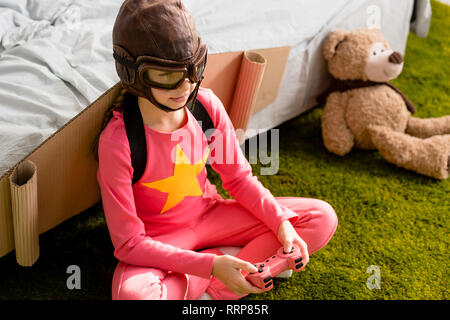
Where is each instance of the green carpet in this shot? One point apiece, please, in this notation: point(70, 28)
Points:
point(388, 217)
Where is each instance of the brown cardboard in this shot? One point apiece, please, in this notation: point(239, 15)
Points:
point(277, 59)
point(247, 87)
point(66, 167)
point(222, 73)
point(23, 184)
point(6, 222)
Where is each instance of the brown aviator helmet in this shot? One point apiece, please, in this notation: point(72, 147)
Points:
point(155, 45)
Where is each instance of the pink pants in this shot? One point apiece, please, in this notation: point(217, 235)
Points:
point(226, 223)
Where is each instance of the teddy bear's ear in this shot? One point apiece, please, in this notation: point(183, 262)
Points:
point(332, 41)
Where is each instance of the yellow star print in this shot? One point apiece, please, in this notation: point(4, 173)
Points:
point(183, 182)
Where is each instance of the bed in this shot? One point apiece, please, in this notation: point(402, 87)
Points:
point(56, 56)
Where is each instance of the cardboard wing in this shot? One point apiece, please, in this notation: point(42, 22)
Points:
point(57, 180)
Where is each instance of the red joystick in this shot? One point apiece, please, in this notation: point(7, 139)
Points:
point(274, 265)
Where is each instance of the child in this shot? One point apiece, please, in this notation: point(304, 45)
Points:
point(166, 227)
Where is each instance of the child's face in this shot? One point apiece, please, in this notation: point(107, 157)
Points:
point(175, 98)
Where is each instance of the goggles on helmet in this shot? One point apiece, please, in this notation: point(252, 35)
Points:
point(169, 74)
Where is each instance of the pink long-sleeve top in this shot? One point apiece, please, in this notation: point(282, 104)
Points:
point(174, 191)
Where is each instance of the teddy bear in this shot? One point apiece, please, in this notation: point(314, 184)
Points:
point(364, 110)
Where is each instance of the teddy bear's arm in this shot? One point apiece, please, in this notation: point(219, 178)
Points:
point(336, 135)
point(425, 128)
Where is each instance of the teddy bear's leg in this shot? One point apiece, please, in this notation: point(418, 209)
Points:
point(425, 156)
point(424, 128)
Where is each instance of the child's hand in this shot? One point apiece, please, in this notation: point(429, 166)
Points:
point(226, 269)
point(287, 235)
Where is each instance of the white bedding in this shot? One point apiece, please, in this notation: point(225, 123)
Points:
point(56, 55)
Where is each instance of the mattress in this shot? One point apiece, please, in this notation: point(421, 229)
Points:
point(56, 55)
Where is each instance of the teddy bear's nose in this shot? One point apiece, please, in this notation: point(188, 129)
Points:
point(396, 57)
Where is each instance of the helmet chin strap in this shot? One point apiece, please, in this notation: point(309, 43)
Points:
point(161, 106)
